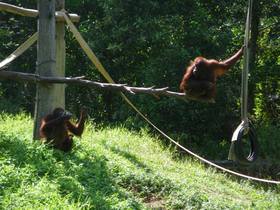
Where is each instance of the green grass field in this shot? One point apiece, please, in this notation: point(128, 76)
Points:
point(114, 168)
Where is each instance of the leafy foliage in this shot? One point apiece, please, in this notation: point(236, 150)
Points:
point(147, 43)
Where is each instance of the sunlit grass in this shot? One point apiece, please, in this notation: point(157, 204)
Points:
point(113, 168)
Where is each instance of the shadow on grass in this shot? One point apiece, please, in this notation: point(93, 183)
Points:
point(132, 158)
point(82, 175)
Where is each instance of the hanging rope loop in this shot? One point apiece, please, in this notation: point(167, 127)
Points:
point(245, 130)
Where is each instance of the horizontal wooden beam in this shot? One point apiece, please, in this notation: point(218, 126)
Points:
point(34, 78)
point(4, 7)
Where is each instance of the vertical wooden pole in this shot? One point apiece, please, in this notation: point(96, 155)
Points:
point(60, 57)
point(46, 63)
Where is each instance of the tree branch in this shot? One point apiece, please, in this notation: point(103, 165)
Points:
point(35, 78)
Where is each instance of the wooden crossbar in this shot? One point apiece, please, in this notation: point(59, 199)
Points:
point(4, 7)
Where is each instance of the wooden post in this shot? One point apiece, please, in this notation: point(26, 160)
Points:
point(46, 64)
point(60, 57)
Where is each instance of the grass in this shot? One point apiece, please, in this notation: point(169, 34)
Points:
point(112, 168)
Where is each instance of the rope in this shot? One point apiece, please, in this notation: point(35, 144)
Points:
point(244, 84)
point(21, 49)
point(245, 127)
point(102, 70)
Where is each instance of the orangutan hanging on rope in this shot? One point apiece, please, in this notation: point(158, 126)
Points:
point(199, 80)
